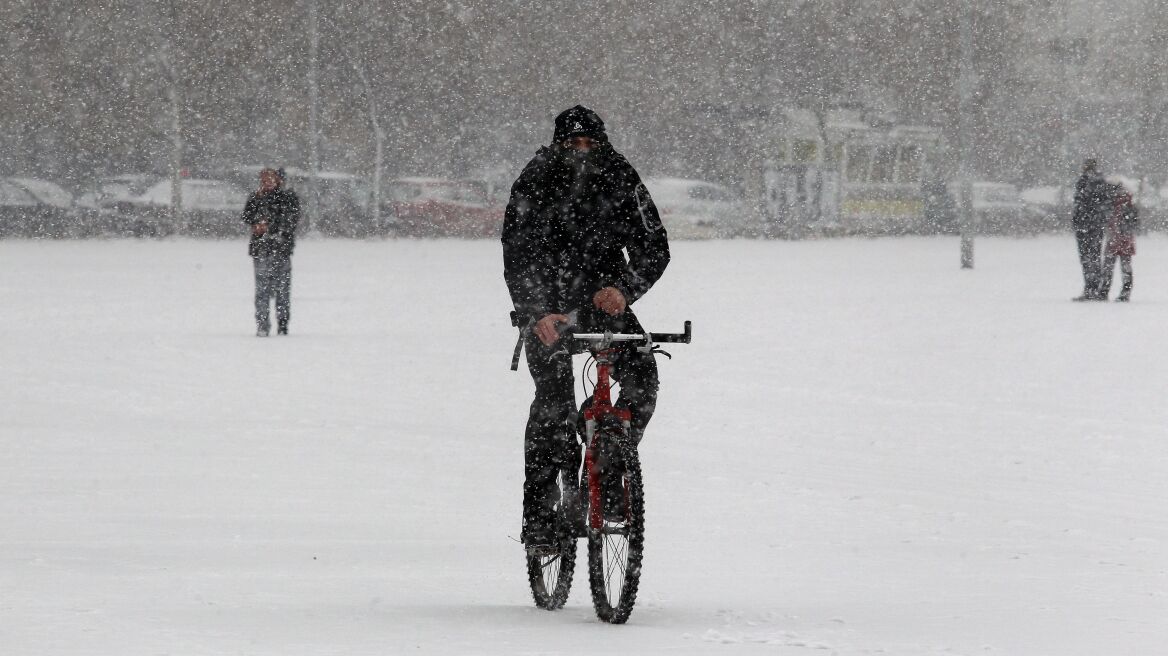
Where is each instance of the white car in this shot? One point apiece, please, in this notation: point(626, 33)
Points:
point(49, 193)
point(997, 206)
point(695, 209)
point(210, 208)
point(47, 209)
point(197, 195)
point(108, 192)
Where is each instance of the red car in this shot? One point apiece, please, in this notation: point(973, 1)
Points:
point(436, 207)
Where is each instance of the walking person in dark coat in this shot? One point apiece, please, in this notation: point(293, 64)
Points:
point(1121, 243)
point(273, 214)
point(574, 211)
point(1092, 206)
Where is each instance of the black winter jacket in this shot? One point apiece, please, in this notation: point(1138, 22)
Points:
point(281, 209)
point(1092, 203)
point(568, 225)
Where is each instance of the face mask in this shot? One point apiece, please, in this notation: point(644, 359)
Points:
point(580, 157)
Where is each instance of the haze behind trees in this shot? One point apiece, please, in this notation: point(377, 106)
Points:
point(469, 88)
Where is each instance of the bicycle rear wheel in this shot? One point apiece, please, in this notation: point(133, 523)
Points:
point(615, 549)
point(550, 574)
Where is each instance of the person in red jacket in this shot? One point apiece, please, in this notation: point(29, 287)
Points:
point(1121, 243)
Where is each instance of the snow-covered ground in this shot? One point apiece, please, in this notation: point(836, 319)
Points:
point(865, 451)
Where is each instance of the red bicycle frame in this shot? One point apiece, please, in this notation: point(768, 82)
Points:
point(600, 408)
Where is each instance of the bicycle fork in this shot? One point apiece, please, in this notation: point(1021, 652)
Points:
point(600, 408)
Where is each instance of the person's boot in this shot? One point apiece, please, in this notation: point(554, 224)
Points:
point(539, 534)
point(1125, 293)
point(539, 540)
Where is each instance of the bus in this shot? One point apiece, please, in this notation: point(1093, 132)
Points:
point(843, 174)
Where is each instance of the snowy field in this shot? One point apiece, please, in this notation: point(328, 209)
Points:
point(865, 451)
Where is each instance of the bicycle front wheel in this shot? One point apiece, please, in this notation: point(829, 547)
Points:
point(616, 541)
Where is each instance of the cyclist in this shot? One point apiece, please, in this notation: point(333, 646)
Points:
point(574, 212)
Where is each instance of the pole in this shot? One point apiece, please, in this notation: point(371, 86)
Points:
point(1064, 54)
point(965, 136)
point(169, 68)
point(378, 133)
point(176, 150)
point(313, 99)
point(1149, 26)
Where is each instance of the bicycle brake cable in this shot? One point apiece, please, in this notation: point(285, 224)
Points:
point(658, 349)
point(584, 375)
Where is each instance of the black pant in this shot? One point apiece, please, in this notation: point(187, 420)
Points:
point(273, 278)
point(1090, 256)
point(550, 443)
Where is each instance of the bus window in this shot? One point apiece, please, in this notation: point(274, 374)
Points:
point(835, 154)
point(883, 166)
point(857, 165)
point(804, 151)
point(910, 164)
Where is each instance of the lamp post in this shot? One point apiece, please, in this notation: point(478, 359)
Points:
point(965, 84)
point(375, 125)
point(313, 99)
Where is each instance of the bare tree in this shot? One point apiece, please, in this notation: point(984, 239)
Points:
point(161, 20)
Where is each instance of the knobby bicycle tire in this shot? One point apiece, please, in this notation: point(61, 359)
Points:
point(550, 575)
point(614, 555)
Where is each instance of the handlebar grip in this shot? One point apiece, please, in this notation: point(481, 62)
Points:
point(674, 338)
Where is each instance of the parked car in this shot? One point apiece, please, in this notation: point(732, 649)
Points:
point(997, 207)
point(110, 207)
point(210, 208)
point(45, 191)
point(345, 199)
point(694, 209)
point(437, 207)
point(17, 207)
point(52, 213)
point(1048, 207)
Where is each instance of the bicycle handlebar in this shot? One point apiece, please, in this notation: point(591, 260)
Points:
point(685, 337)
point(649, 339)
point(656, 338)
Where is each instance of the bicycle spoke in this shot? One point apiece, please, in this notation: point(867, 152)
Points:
point(618, 551)
point(550, 572)
point(614, 550)
point(616, 556)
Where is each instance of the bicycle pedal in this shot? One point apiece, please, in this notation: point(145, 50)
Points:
point(543, 550)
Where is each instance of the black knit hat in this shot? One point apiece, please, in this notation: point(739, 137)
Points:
point(579, 121)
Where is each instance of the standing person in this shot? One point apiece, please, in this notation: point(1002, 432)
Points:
point(1090, 215)
point(273, 214)
point(1121, 243)
point(575, 210)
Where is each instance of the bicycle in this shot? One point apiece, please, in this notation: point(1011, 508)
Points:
point(604, 501)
